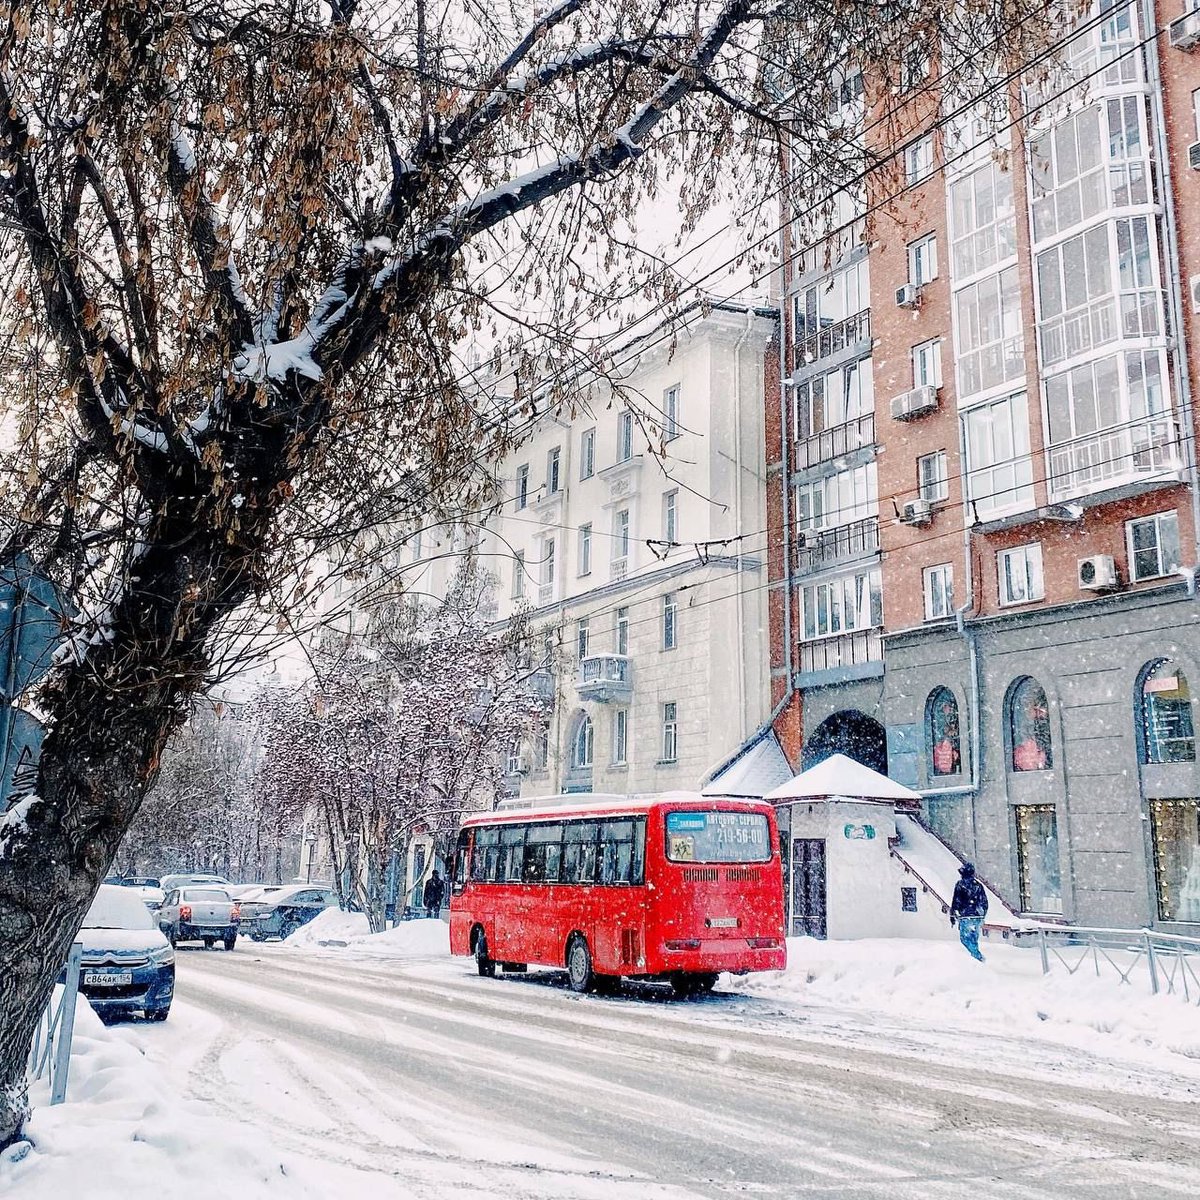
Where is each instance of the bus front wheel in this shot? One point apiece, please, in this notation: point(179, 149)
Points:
point(484, 964)
point(579, 965)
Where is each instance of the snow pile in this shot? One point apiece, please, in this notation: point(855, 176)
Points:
point(936, 985)
point(334, 929)
point(134, 1138)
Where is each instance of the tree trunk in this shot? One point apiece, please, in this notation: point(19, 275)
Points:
point(93, 777)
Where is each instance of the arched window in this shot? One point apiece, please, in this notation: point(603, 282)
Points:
point(1166, 715)
point(582, 743)
point(1029, 726)
point(941, 732)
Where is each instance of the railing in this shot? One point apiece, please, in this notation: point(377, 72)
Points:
point(830, 443)
point(545, 594)
point(618, 568)
point(607, 668)
point(604, 677)
point(1171, 964)
point(832, 339)
point(1145, 447)
point(1133, 314)
point(842, 650)
point(817, 548)
point(51, 1050)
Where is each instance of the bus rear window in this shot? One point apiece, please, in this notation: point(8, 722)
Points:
point(717, 837)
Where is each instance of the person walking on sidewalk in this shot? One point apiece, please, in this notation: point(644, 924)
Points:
point(435, 891)
point(968, 908)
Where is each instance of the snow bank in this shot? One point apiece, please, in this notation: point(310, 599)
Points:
point(127, 1133)
point(334, 929)
point(937, 985)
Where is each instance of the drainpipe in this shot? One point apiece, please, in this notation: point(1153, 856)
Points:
point(1172, 269)
point(786, 386)
point(742, 649)
point(975, 741)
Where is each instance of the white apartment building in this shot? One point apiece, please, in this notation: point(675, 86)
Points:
point(637, 532)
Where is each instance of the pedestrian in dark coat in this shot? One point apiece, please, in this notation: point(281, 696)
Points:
point(435, 891)
point(968, 908)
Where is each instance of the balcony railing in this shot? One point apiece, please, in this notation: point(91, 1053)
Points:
point(1124, 453)
point(836, 441)
point(817, 548)
point(831, 340)
point(605, 677)
point(1140, 315)
point(842, 650)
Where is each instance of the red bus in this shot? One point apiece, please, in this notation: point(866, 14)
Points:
point(674, 887)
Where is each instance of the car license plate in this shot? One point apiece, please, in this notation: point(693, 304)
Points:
point(722, 922)
point(107, 978)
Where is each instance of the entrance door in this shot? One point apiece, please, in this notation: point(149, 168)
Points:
point(808, 887)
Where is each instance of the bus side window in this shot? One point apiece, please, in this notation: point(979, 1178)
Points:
point(616, 852)
point(637, 871)
point(486, 856)
point(512, 852)
point(579, 852)
point(461, 852)
point(543, 850)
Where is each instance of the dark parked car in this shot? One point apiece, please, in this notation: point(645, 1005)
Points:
point(200, 914)
point(281, 912)
point(128, 965)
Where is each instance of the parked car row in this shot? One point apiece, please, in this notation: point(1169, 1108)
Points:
point(133, 925)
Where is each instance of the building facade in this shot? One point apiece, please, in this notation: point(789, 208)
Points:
point(635, 529)
point(1017, 636)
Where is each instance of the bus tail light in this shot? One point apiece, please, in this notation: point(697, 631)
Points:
point(235, 913)
point(185, 912)
point(683, 944)
point(764, 943)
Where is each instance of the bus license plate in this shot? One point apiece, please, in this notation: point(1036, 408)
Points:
point(108, 978)
point(722, 922)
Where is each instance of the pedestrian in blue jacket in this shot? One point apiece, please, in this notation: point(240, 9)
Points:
point(968, 908)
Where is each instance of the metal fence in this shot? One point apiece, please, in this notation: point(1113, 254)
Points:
point(51, 1051)
point(1170, 963)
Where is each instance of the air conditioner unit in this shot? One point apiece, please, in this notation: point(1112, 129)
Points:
point(1097, 573)
point(1184, 32)
point(524, 763)
point(1194, 290)
point(1194, 156)
point(915, 402)
point(916, 512)
point(908, 296)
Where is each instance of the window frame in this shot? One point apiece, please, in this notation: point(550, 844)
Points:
point(620, 738)
point(553, 470)
point(1040, 732)
point(549, 562)
point(670, 621)
point(587, 453)
point(949, 731)
point(622, 524)
point(583, 754)
point(670, 731)
point(919, 159)
point(621, 631)
point(1158, 519)
point(671, 516)
point(585, 549)
point(1035, 576)
point(583, 637)
point(519, 575)
point(522, 484)
point(624, 436)
point(935, 487)
point(943, 575)
point(923, 259)
point(923, 356)
point(671, 398)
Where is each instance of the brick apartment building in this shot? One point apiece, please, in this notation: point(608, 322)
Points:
point(987, 431)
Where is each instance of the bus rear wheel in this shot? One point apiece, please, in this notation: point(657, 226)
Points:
point(687, 983)
point(484, 964)
point(579, 965)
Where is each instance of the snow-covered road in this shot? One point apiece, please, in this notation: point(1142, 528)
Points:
point(427, 1081)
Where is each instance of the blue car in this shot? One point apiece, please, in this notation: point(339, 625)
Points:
point(128, 965)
